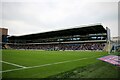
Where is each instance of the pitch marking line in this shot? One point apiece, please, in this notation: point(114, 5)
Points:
point(42, 65)
point(13, 64)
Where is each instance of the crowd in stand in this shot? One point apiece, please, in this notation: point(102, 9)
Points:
point(83, 46)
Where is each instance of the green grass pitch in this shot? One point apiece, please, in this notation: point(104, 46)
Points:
point(43, 64)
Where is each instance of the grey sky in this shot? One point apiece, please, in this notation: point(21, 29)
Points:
point(40, 16)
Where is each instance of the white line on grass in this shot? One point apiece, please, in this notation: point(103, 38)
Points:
point(43, 65)
point(13, 64)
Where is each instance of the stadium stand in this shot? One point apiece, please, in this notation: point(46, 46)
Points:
point(115, 44)
point(84, 46)
point(92, 37)
point(3, 37)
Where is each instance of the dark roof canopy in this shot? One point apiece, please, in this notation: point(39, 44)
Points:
point(92, 29)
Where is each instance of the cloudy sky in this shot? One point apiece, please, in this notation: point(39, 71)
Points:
point(33, 16)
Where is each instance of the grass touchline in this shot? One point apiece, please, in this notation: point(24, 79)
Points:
point(13, 64)
point(23, 67)
point(43, 64)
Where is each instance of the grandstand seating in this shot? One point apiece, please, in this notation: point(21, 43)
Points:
point(82, 46)
point(92, 37)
